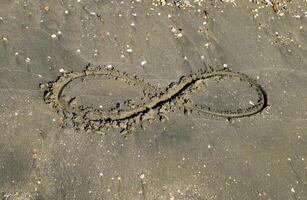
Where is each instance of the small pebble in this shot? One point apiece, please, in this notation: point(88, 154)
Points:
point(142, 176)
point(46, 8)
point(292, 190)
point(110, 67)
point(143, 62)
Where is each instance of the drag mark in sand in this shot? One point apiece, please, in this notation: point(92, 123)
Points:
point(98, 120)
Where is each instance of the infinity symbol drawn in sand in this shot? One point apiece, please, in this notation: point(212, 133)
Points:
point(87, 118)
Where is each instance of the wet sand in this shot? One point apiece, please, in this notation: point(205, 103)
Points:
point(175, 153)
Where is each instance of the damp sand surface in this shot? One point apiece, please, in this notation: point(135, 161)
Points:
point(173, 150)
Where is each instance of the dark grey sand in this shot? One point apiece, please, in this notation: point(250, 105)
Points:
point(185, 156)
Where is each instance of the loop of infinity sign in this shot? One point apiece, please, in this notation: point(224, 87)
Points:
point(158, 101)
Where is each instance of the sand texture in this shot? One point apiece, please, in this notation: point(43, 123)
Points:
point(153, 100)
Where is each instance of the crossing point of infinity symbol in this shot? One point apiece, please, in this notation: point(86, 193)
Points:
point(159, 101)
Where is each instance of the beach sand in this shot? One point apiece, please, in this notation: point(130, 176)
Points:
point(187, 155)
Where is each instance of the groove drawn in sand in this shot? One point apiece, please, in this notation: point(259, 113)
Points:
point(157, 101)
